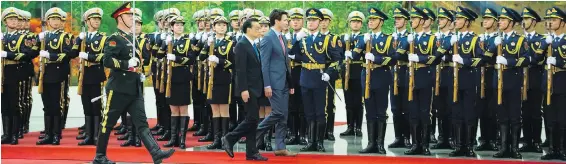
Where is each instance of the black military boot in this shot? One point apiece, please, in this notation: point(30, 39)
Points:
point(303, 131)
point(358, 126)
point(329, 135)
point(216, 144)
point(443, 138)
point(57, 123)
point(82, 131)
point(293, 136)
point(470, 130)
point(399, 141)
point(166, 134)
point(350, 130)
point(380, 130)
point(311, 145)
point(425, 139)
point(503, 149)
point(124, 128)
point(553, 147)
point(174, 141)
point(184, 122)
point(128, 123)
point(151, 145)
point(321, 130)
point(196, 123)
point(204, 126)
point(15, 130)
point(414, 150)
point(208, 137)
point(7, 125)
point(372, 138)
point(96, 128)
point(458, 142)
point(537, 130)
point(89, 132)
point(101, 158)
point(137, 140)
point(515, 142)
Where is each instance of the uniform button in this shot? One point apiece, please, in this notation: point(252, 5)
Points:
point(124, 74)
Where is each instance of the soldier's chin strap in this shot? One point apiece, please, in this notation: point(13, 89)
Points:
point(125, 24)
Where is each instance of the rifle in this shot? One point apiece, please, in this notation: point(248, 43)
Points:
point(348, 62)
point(212, 65)
point(411, 72)
point(169, 70)
point(81, 65)
point(550, 71)
point(500, 77)
point(456, 71)
point(2, 65)
point(369, 65)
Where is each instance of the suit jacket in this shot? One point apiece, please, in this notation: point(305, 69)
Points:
point(274, 63)
point(248, 69)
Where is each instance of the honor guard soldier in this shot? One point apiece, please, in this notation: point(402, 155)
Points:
point(427, 28)
point(486, 104)
point(399, 103)
point(181, 57)
point(236, 106)
point(510, 60)
point(54, 74)
point(350, 79)
point(546, 104)
point(200, 96)
point(531, 108)
point(28, 72)
point(314, 51)
point(466, 56)
point(557, 68)
point(88, 46)
point(296, 108)
point(418, 49)
point(155, 40)
point(124, 90)
point(442, 102)
point(330, 107)
point(13, 51)
point(376, 78)
point(197, 98)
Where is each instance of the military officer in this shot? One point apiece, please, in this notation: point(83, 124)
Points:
point(124, 89)
point(510, 63)
point(556, 64)
point(399, 102)
point(195, 86)
point(13, 52)
point(353, 93)
point(296, 108)
point(427, 28)
point(330, 107)
point(464, 60)
point(200, 38)
point(421, 57)
point(531, 108)
point(485, 105)
point(28, 72)
point(92, 72)
point(154, 39)
point(375, 78)
point(444, 75)
point(56, 71)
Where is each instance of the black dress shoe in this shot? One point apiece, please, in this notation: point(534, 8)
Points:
point(102, 159)
point(256, 157)
point(228, 147)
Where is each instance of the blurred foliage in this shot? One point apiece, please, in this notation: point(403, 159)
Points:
point(339, 25)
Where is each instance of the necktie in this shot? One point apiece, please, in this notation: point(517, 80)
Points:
point(282, 44)
point(256, 52)
point(312, 36)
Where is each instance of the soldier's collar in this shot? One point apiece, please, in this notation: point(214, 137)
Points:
point(325, 33)
point(376, 33)
point(355, 34)
point(402, 32)
point(315, 33)
point(532, 33)
point(559, 36)
point(509, 34)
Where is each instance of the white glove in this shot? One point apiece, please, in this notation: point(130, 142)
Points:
point(497, 41)
point(291, 56)
point(171, 57)
point(229, 34)
point(288, 36)
point(413, 57)
point(367, 37)
point(133, 62)
point(213, 58)
point(443, 58)
point(3, 54)
point(370, 56)
point(551, 60)
point(204, 37)
point(83, 55)
point(168, 39)
point(209, 40)
point(482, 37)
point(163, 36)
point(453, 39)
point(458, 59)
point(82, 35)
point(240, 34)
point(410, 38)
point(198, 36)
point(301, 35)
point(191, 35)
point(501, 60)
point(348, 54)
point(325, 77)
point(346, 37)
point(44, 54)
point(395, 37)
point(1, 35)
point(437, 34)
point(41, 35)
point(548, 39)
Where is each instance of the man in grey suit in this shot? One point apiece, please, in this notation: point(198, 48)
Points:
point(277, 80)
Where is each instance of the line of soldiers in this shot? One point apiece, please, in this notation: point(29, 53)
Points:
point(444, 76)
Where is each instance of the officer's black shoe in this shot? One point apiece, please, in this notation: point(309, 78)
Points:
point(414, 150)
point(121, 131)
point(545, 143)
point(227, 146)
point(321, 130)
point(207, 138)
point(21, 133)
point(56, 140)
point(503, 152)
point(166, 136)
point(425, 140)
point(486, 146)
point(195, 127)
point(312, 144)
point(48, 139)
point(83, 126)
point(358, 132)
point(57, 128)
point(102, 159)
point(372, 138)
point(82, 136)
point(537, 148)
point(129, 142)
point(441, 145)
point(41, 136)
point(381, 128)
point(399, 142)
point(174, 141)
point(292, 140)
point(42, 132)
point(349, 131)
point(202, 131)
point(470, 151)
point(550, 155)
point(408, 144)
point(5, 139)
point(256, 157)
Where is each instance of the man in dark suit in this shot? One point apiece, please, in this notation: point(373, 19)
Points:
point(249, 83)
